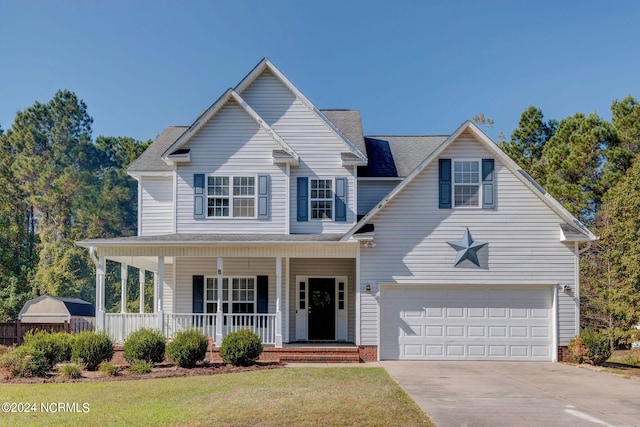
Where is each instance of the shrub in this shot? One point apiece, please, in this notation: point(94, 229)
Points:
point(70, 370)
point(577, 350)
point(188, 348)
point(241, 348)
point(24, 361)
point(64, 342)
point(140, 367)
point(590, 347)
point(4, 349)
point(92, 349)
point(108, 369)
point(145, 344)
point(55, 346)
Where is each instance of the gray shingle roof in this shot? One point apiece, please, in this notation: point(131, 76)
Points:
point(404, 152)
point(407, 152)
point(151, 159)
point(348, 122)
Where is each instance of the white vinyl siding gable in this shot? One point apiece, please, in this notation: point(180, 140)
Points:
point(232, 144)
point(156, 208)
point(317, 145)
point(371, 192)
point(522, 232)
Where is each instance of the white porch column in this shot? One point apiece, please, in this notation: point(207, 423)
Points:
point(358, 298)
point(101, 268)
point(123, 287)
point(155, 291)
point(141, 276)
point(278, 302)
point(219, 314)
point(159, 287)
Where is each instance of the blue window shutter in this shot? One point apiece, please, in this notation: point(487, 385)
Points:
point(341, 199)
point(263, 196)
point(198, 294)
point(262, 294)
point(303, 198)
point(488, 187)
point(444, 169)
point(198, 195)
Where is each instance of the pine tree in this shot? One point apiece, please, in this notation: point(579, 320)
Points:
point(528, 140)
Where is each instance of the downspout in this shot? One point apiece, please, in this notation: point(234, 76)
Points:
point(586, 248)
point(92, 255)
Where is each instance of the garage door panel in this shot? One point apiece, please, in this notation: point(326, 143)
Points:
point(476, 331)
point(434, 331)
point(466, 323)
point(476, 312)
point(434, 350)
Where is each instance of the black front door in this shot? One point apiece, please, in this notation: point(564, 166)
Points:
point(322, 309)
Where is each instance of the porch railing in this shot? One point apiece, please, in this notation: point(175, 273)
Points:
point(174, 323)
point(120, 325)
point(262, 324)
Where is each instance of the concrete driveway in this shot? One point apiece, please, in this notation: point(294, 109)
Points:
point(518, 394)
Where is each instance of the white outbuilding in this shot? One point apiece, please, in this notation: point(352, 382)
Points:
point(51, 309)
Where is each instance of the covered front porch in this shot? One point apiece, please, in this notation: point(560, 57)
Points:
point(295, 289)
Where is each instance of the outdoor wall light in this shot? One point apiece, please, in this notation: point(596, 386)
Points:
point(219, 271)
point(566, 289)
point(367, 289)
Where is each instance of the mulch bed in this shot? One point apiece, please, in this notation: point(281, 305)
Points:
point(160, 371)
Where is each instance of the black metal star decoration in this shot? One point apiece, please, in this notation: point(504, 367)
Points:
point(467, 248)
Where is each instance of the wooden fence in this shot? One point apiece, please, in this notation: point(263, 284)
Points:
point(13, 332)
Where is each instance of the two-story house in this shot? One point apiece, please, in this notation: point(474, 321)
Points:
point(270, 214)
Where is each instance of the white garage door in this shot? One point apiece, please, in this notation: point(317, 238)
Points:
point(466, 323)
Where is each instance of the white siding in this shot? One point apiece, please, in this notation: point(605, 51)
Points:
point(232, 143)
point(232, 267)
point(323, 267)
point(369, 312)
point(156, 210)
point(522, 234)
point(371, 192)
point(319, 148)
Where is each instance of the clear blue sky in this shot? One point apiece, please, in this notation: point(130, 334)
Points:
point(410, 67)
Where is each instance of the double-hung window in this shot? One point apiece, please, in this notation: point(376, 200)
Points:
point(231, 196)
point(238, 294)
point(466, 183)
point(321, 198)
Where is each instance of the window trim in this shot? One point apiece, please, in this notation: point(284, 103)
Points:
point(230, 301)
point(454, 184)
point(230, 196)
point(333, 199)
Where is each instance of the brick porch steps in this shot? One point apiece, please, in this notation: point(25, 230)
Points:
point(287, 354)
point(340, 354)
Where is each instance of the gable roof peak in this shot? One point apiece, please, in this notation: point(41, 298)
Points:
point(229, 95)
point(507, 161)
point(266, 64)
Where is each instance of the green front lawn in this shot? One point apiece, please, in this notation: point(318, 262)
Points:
point(291, 396)
point(624, 362)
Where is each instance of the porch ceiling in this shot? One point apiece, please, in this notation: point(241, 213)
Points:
point(148, 263)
